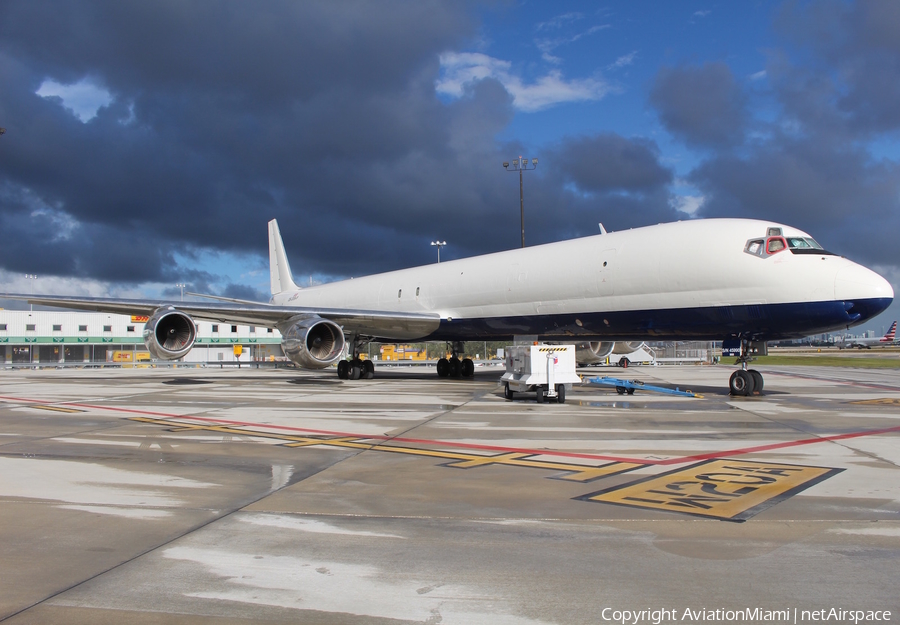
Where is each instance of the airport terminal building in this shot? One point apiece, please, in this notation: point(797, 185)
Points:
point(51, 337)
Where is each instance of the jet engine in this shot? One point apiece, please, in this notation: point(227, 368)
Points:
point(312, 342)
point(169, 334)
point(592, 352)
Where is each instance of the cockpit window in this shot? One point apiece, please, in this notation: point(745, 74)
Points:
point(802, 243)
point(755, 247)
point(806, 245)
point(775, 245)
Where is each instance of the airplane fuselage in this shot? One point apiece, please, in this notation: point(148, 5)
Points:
point(676, 281)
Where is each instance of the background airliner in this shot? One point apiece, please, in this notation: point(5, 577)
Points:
point(885, 341)
point(714, 279)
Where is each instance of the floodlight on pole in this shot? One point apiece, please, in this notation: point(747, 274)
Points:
point(32, 277)
point(439, 245)
point(520, 165)
point(182, 289)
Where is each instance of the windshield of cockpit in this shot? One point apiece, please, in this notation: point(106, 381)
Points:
point(768, 246)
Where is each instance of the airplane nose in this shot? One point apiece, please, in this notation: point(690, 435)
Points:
point(864, 292)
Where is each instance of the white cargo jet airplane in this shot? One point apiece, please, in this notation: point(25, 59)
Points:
point(868, 343)
point(738, 280)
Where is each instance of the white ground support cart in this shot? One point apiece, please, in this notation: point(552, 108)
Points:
point(546, 370)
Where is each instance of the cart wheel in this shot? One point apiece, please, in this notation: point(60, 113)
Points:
point(631, 391)
point(539, 395)
point(621, 390)
point(507, 393)
point(560, 393)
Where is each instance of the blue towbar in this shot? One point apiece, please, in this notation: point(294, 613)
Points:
point(629, 386)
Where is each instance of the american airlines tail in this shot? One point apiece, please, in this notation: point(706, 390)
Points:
point(280, 277)
point(889, 337)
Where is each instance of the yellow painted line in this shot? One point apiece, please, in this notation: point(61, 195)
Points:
point(55, 408)
point(885, 401)
point(732, 490)
point(460, 460)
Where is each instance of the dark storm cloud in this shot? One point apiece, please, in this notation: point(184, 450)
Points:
point(860, 41)
point(225, 115)
point(610, 162)
point(703, 105)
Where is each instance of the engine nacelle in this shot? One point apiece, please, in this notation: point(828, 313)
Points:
point(592, 352)
point(169, 334)
point(312, 342)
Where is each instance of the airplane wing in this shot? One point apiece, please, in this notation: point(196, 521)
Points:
point(399, 326)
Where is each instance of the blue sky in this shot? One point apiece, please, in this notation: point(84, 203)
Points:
point(154, 142)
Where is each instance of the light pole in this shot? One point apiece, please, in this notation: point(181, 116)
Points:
point(31, 277)
point(182, 290)
point(439, 245)
point(520, 165)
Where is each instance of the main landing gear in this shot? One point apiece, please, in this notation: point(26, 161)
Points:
point(356, 368)
point(746, 382)
point(453, 367)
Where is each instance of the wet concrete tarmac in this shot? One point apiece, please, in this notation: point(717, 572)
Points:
point(201, 496)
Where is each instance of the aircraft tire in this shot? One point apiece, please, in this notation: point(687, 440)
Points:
point(443, 368)
point(507, 392)
point(741, 383)
point(467, 368)
point(560, 393)
point(355, 369)
point(343, 368)
point(455, 367)
point(368, 371)
point(757, 381)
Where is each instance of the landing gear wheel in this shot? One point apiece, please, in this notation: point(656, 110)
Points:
point(539, 395)
point(507, 393)
point(757, 381)
point(355, 369)
point(741, 383)
point(468, 368)
point(343, 369)
point(621, 390)
point(443, 368)
point(455, 367)
point(560, 393)
point(368, 371)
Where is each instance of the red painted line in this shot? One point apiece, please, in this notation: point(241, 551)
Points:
point(497, 448)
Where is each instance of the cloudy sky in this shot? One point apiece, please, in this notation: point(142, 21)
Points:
point(148, 143)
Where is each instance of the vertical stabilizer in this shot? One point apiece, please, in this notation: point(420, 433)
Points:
point(279, 268)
